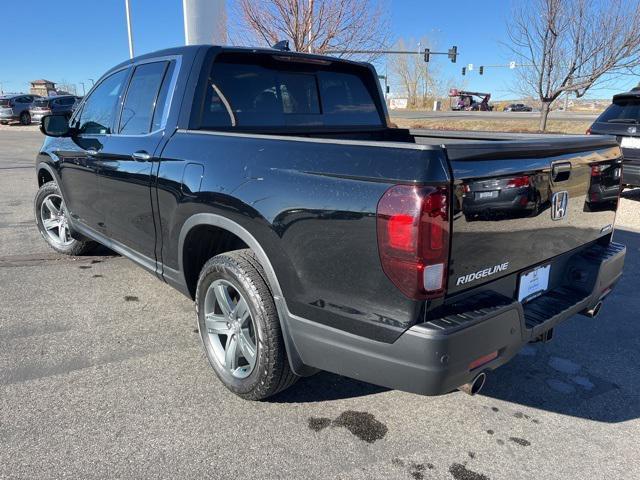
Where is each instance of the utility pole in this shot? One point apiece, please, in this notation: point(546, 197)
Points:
point(82, 83)
point(126, 4)
point(92, 81)
point(310, 26)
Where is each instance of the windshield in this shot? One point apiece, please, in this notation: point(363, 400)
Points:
point(622, 111)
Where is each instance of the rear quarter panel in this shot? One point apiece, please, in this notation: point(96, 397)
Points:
point(311, 204)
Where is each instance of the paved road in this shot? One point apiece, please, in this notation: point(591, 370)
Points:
point(102, 376)
point(424, 115)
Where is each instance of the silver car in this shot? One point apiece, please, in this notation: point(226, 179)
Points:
point(16, 107)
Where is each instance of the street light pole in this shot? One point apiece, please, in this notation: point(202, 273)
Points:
point(92, 81)
point(126, 4)
point(83, 91)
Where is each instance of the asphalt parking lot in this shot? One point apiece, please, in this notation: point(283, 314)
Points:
point(102, 376)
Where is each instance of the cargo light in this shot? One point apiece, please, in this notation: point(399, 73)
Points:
point(413, 239)
point(478, 362)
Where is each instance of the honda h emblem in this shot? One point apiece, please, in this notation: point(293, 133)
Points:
point(559, 205)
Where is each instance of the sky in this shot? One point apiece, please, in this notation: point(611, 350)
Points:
point(78, 40)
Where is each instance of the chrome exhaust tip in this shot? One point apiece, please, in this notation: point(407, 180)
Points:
point(475, 385)
point(593, 311)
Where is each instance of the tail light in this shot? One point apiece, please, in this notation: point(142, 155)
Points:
point(518, 182)
point(596, 170)
point(588, 132)
point(413, 239)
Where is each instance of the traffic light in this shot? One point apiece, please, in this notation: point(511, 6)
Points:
point(453, 54)
point(481, 70)
point(426, 54)
point(464, 70)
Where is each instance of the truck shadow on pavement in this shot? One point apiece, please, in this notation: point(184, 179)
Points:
point(590, 370)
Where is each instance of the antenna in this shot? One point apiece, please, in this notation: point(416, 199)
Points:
point(282, 45)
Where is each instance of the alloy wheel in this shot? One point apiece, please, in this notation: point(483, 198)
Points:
point(230, 329)
point(54, 220)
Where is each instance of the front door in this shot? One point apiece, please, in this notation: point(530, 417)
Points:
point(127, 164)
point(79, 155)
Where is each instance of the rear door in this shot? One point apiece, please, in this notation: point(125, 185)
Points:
point(128, 161)
point(518, 204)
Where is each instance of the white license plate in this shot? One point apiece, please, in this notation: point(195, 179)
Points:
point(630, 142)
point(483, 195)
point(533, 283)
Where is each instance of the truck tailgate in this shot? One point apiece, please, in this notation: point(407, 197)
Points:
point(517, 204)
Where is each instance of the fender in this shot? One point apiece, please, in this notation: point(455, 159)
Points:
point(281, 307)
point(42, 165)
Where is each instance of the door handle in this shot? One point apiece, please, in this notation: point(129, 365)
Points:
point(561, 171)
point(141, 156)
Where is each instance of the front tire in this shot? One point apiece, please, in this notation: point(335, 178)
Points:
point(240, 328)
point(51, 218)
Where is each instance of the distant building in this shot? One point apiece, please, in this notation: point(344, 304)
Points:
point(42, 87)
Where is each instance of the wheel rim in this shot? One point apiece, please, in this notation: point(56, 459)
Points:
point(25, 118)
point(54, 220)
point(230, 329)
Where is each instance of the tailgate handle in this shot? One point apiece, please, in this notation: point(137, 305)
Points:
point(561, 171)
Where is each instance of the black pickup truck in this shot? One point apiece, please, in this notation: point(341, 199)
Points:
point(270, 187)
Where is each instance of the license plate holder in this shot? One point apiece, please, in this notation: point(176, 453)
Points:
point(630, 142)
point(533, 283)
point(486, 195)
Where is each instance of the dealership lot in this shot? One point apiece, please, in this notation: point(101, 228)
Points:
point(102, 376)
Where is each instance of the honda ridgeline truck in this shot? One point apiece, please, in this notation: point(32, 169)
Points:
point(270, 187)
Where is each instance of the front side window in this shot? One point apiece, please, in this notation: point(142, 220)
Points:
point(98, 111)
point(140, 102)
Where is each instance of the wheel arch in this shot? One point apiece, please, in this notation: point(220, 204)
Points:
point(224, 223)
point(46, 174)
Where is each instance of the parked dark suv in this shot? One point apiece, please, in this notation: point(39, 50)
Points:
point(622, 119)
point(55, 104)
point(518, 107)
point(16, 107)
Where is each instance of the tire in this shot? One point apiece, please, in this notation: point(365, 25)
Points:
point(70, 246)
point(239, 275)
point(25, 118)
point(4, 122)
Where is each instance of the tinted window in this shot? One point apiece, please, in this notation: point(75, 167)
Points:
point(40, 102)
point(5, 102)
point(624, 111)
point(272, 94)
point(66, 101)
point(99, 109)
point(161, 102)
point(141, 98)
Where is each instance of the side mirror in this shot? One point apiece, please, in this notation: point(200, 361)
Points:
point(55, 126)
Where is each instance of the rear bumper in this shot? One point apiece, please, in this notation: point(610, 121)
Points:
point(433, 358)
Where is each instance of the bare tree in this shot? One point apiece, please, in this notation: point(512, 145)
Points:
point(317, 25)
point(416, 77)
point(572, 45)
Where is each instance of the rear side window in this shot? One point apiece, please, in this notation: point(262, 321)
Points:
point(5, 102)
point(247, 92)
point(40, 102)
point(66, 101)
point(140, 101)
point(623, 111)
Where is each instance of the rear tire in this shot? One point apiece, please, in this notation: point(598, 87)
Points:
point(236, 282)
point(25, 118)
point(51, 218)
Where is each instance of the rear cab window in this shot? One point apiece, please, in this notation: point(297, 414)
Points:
point(270, 92)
